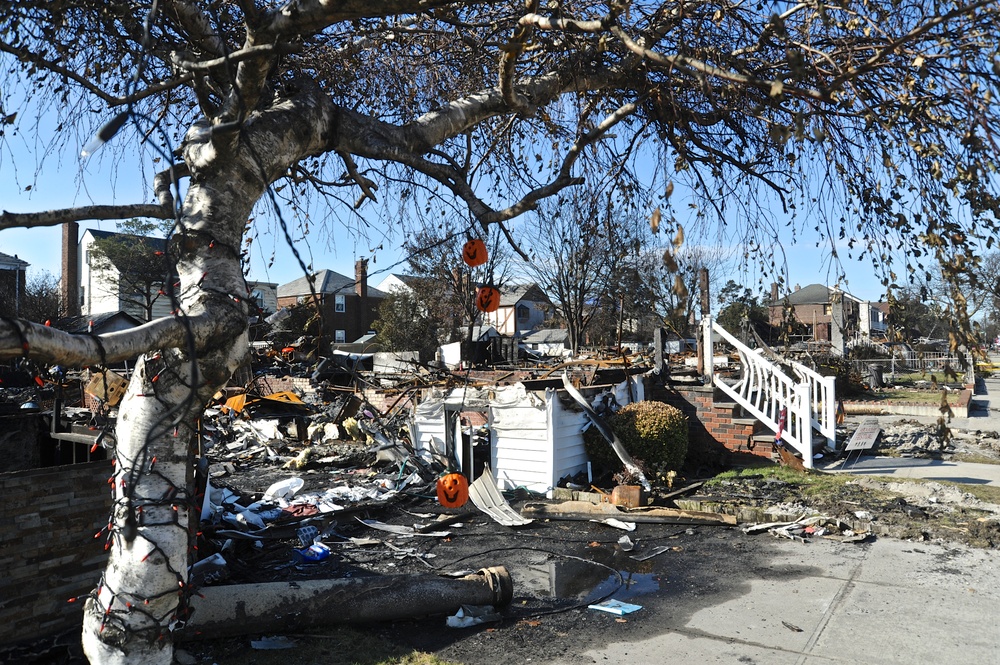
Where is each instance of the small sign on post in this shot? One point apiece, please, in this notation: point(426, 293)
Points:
point(865, 436)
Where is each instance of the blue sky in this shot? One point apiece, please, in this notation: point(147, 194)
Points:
point(66, 180)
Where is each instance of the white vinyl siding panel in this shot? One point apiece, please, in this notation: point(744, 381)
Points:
point(428, 429)
point(522, 450)
point(569, 456)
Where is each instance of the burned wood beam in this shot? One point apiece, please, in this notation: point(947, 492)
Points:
point(584, 510)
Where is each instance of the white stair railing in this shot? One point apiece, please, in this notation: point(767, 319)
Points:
point(791, 408)
point(822, 395)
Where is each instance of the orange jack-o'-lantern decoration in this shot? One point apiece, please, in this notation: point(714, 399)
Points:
point(474, 252)
point(487, 298)
point(453, 490)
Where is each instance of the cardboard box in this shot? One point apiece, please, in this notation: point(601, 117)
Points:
point(107, 386)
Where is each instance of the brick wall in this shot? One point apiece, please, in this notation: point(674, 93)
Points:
point(710, 425)
point(395, 400)
point(48, 553)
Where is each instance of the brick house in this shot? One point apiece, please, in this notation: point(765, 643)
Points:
point(817, 307)
point(346, 304)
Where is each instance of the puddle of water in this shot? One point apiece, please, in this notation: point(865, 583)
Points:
point(575, 579)
point(636, 584)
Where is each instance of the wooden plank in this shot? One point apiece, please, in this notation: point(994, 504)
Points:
point(584, 510)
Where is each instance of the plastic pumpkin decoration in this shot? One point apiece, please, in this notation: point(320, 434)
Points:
point(487, 298)
point(453, 490)
point(474, 252)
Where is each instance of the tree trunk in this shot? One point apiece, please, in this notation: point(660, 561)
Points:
point(143, 595)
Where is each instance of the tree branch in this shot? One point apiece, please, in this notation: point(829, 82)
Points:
point(508, 67)
point(364, 183)
point(306, 17)
point(13, 220)
point(563, 24)
point(922, 29)
point(56, 347)
point(245, 53)
point(166, 180)
point(112, 100)
point(699, 68)
point(199, 27)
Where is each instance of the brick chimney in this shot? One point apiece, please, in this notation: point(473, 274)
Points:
point(361, 277)
point(774, 292)
point(69, 286)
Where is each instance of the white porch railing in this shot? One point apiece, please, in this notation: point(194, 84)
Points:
point(791, 408)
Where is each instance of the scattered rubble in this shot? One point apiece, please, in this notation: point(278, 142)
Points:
point(909, 438)
point(319, 489)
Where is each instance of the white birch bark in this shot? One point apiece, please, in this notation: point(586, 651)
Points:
point(143, 593)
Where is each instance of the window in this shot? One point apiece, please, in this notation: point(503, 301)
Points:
point(827, 310)
point(339, 304)
point(523, 312)
point(83, 295)
point(340, 336)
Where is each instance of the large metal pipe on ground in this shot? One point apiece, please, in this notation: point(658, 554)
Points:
point(239, 609)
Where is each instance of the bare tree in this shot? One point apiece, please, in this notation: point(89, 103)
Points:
point(582, 246)
point(677, 287)
point(872, 116)
point(40, 301)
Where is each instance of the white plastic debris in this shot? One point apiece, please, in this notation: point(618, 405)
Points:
point(472, 615)
point(247, 518)
point(284, 489)
point(618, 524)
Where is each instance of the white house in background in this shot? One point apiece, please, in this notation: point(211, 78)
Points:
point(523, 308)
point(395, 282)
point(101, 290)
point(548, 342)
point(264, 295)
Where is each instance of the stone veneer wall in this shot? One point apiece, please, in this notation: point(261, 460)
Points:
point(48, 553)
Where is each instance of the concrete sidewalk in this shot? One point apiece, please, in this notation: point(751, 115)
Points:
point(984, 416)
point(887, 602)
point(927, 469)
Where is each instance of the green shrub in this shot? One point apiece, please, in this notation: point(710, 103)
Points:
point(655, 434)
